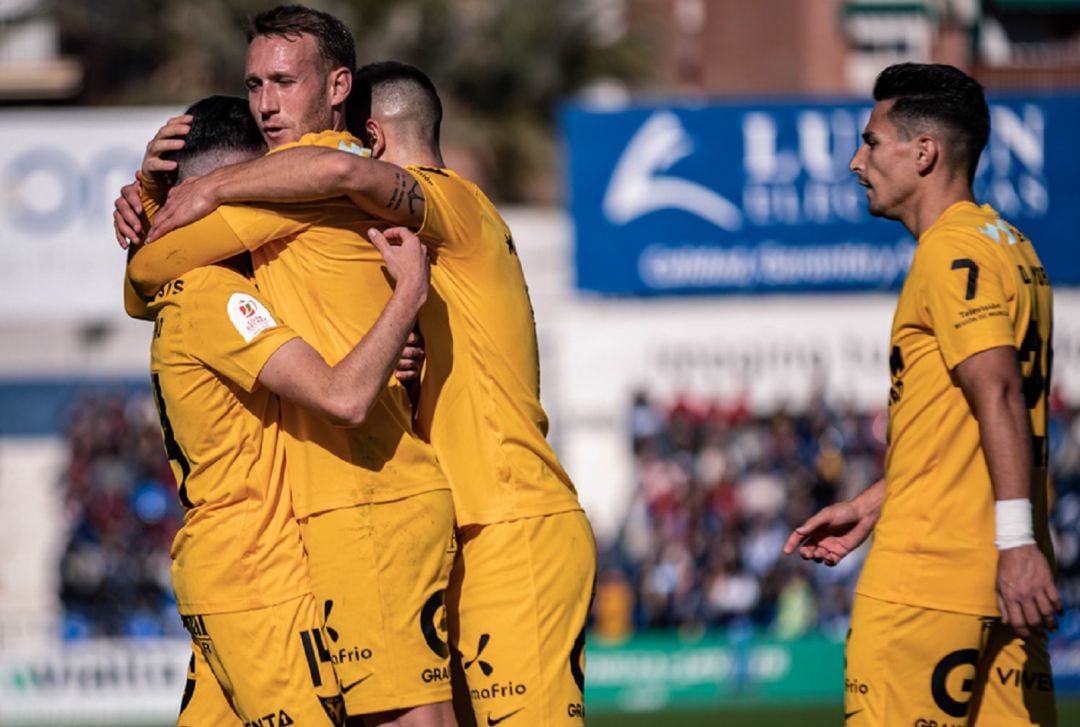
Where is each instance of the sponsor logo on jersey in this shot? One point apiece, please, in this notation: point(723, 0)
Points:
point(249, 316)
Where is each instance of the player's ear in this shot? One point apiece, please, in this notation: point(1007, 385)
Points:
point(340, 85)
point(376, 137)
point(927, 153)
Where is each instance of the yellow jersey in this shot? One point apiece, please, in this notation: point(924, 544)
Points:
point(316, 266)
point(239, 547)
point(480, 396)
point(975, 283)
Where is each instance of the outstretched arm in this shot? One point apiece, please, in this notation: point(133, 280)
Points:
point(344, 393)
point(833, 532)
point(383, 190)
point(991, 382)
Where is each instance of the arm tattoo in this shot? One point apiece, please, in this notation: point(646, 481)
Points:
point(415, 195)
point(398, 195)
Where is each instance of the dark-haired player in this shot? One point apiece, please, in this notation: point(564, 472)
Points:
point(218, 357)
point(952, 606)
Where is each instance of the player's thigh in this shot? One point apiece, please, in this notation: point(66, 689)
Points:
point(909, 665)
point(272, 664)
point(1015, 685)
point(204, 702)
point(519, 599)
point(380, 573)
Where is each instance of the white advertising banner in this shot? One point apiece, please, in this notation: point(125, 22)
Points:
point(104, 682)
point(59, 174)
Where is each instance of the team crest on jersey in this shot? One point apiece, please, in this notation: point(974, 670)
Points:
point(249, 316)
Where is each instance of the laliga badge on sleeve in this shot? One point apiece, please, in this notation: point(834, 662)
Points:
point(353, 148)
point(249, 316)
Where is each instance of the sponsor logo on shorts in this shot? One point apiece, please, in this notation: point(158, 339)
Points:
point(342, 654)
point(854, 686)
point(924, 722)
point(433, 624)
point(492, 720)
point(954, 705)
point(280, 719)
point(577, 662)
point(484, 666)
point(199, 635)
point(346, 688)
point(1037, 680)
point(436, 674)
point(494, 690)
point(575, 709)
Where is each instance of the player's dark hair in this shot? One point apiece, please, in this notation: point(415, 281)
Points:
point(933, 94)
point(393, 77)
point(336, 45)
point(221, 124)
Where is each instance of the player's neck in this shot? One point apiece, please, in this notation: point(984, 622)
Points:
point(933, 202)
point(418, 154)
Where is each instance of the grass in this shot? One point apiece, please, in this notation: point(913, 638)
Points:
point(803, 716)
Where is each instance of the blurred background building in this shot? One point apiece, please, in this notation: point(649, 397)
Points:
point(714, 372)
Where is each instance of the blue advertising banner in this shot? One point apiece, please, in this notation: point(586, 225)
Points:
point(757, 197)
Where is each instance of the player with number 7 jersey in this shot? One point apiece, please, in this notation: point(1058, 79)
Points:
point(975, 283)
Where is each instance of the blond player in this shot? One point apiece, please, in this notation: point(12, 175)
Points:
point(218, 356)
point(952, 606)
point(374, 506)
point(522, 584)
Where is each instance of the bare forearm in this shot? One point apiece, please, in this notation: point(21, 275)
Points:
point(383, 190)
point(1006, 439)
point(868, 502)
point(294, 175)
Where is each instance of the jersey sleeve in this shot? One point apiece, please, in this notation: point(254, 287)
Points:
point(450, 214)
point(964, 296)
point(203, 242)
point(255, 226)
point(237, 332)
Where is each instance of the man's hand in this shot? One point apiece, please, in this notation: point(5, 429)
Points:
point(406, 258)
point(408, 263)
point(188, 201)
point(169, 137)
point(412, 358)
point(1026, 595)
point(128, 215)
point(830, 534)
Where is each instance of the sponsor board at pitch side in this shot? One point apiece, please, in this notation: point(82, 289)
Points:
point(757, 197)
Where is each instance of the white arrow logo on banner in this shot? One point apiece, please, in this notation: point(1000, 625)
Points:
point(638, 186)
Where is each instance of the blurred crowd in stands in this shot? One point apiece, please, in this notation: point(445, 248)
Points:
point(718, 489)
point(121, 506)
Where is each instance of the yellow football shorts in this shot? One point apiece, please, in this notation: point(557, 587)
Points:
point(204, 702)
point(915, 666)
point(380, 572)
point(271, 663)
point(518, 600)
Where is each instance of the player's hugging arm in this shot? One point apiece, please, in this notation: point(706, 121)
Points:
point(298, 174)
point(345, 392)
point(207, 241)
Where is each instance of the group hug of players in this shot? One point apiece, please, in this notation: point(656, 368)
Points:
point(374, 542)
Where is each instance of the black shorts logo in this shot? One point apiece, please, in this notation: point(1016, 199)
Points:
point(939, 682)
point(433, 624)
point(485, 667)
